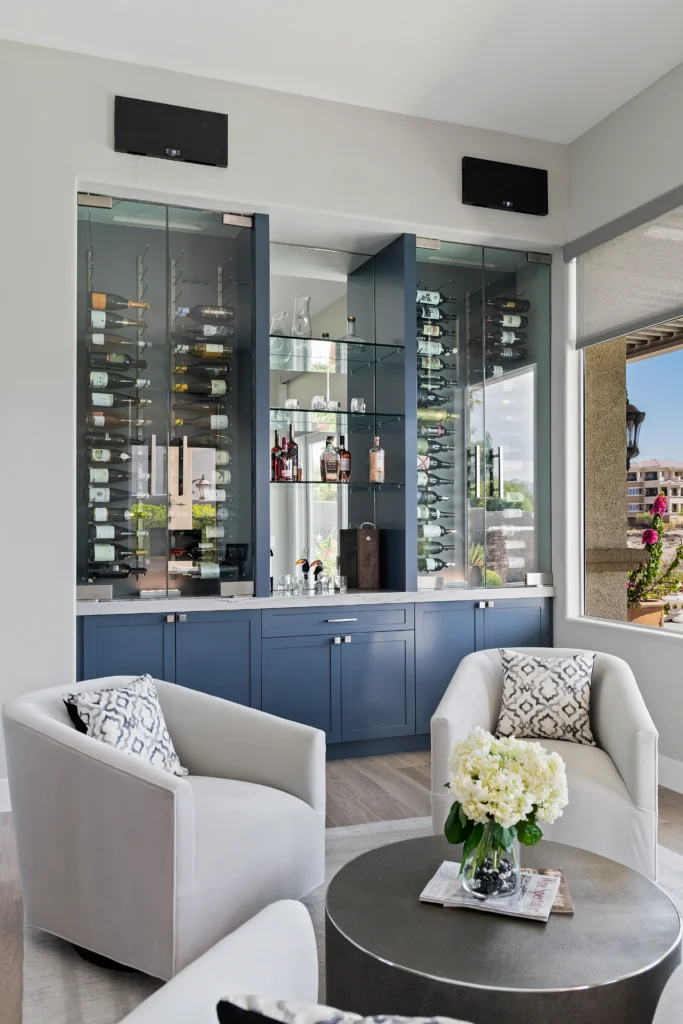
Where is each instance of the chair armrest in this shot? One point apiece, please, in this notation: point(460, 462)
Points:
point(273, 956)
point(223, 740)
point(623, 728)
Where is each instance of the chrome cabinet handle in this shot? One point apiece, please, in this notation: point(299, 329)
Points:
point(482, 604)
point(341, 620)
point(337, 640)
point(182, 618)
point(347, 639)
point(170, 618)
point(490, 604)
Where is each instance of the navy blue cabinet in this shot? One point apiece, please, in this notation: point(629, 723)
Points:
point(129, 645)
point(523, 622)
point(444, 635)
point(378, 685)
point(301, 680)
point(220, 653)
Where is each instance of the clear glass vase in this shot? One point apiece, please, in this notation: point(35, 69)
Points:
point(301, 318)
point(490, 871)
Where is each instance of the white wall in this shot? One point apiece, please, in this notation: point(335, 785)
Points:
point(312, 164)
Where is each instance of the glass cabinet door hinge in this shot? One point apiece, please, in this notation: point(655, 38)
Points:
point(238, 220)
point(89, 199)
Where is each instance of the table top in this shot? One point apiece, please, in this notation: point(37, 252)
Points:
point(622, 924)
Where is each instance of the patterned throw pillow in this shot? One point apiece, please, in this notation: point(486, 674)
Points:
point(128, 718)
point(546, 698)
point(258, 1010)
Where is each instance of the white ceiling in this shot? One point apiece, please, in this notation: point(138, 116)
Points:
point(547, 69)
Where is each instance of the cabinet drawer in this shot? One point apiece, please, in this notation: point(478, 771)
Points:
point(347, 619)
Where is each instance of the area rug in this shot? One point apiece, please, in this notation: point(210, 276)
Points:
point(61, 988)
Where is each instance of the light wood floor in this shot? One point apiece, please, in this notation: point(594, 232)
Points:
point(359, 791)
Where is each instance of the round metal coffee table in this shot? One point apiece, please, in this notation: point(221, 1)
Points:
point(389, 953)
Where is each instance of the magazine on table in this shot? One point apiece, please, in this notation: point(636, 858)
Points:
point(538, 892)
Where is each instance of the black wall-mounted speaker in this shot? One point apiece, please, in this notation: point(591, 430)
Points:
point(170, 133)
point(504, 186)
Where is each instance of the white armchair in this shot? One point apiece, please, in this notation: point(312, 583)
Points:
point(149, 869)
point(612, 808)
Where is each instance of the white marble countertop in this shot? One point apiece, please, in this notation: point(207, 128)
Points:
point(213, 604)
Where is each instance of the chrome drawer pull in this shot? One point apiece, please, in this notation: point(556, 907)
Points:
point(337, 640)
point(342, 620)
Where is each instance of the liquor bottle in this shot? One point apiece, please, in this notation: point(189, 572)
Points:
point(105, 300)
point(376, 463)
point(101, 321)
point(212, 314)
point(344, 460)
point(432, 431)
point(425, 479)
point(508, 354)
point(103, 495)
point(426, 564)
point(98, 552)
point(214, 371)
point(212, 441)
point(98, 338)
point(275, 459)
point(114, 419)
point(432, 382)
point(433, 547)
point(203, 387)
point(286, 472)
point(217, 332)
point(433, 363)
point(101, 379)
point(426, 512)
point(430, 313)
point(425, 497)
point(293, 451)
point(507, 320)
point(425, 347)
point(436, 416)
point(205, 350)
point(105, 400)
point(428, 531)
point(114, 570)
point(202, 419)
point(329, 462)
point(434, 331)
point(104, 475)
point(427, 447)
point(430, 462)
point(429, 400)
point(106, 455)
point(436, 298)
point(111, 515)
point(223, 476)
point(105, 360)
point(351, 331)
point(502, 337)
point(504, 304)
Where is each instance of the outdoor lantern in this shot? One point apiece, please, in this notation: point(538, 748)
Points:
point(203, 485)
point(634, 421)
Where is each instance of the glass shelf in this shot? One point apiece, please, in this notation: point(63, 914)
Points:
point(365, 485)
point(359, 343)
point(340, 412)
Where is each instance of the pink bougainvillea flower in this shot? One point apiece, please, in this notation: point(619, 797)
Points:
point(650, 537)
point(659, 506)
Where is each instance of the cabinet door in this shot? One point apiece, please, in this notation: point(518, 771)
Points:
point(444, 634)
point(516, 623)
point(128, 645)
point(378, 685)
point(301, 680)
point(220, 653)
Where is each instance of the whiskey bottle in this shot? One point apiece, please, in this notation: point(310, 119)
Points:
point(101, 321)
point(275, 459)
point(104, 475)
point(425, 347)
point(427, 564)
point(105, 400)
point(205, 387)
point(507, 320)
point(114, 419)
point(106, 360)
point(105, 300)
point(329, 462)
point(428, 531)
point(211, 314)
point(101, 379)
point(430, 462)
point(114, 570)
point(433, 331)
point(344, 461)
point(112, 515)
point(432, 431)
point(427, 447)
point(433, 547)
point(504, 304)
point(376, 463)
point(98, 552)
point(214, 371)
point(427, 513)
point(436, 298)
point(425, 479)
point(98, 338)
point(205, 350)
point(106, 455)
point(293, 450)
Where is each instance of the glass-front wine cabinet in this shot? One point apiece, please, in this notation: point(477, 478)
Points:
point(165, 407)
point(483, 378)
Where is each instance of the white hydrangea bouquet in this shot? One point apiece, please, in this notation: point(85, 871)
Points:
point(502, 789)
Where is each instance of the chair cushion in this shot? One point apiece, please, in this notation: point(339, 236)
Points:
point(546, 697)
point(128, 718)
point(256, 1010)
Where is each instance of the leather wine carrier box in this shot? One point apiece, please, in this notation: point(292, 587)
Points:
point(359, 557)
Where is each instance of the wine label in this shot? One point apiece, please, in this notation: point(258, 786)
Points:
point(210, 349)
point(106, 532)
point(101, 494)
point(429, 348)
point(430, 313)
point(142, 383)
point(431, 329)
point(429, 298)
point(104, 553)
point(344, 464)
point(99, 476)
point(218, 387)
point(182, 350)
point(511, 320)
point(209, 331)
point(101, 455)
point(223, 476)
point(430, 564)
point(97, 339)
point(100, 515)
point(430, 530)
point(423, 462)
point(422, 479)
point(219, 422)
point(431, 363)
point(98, 398)
point(209, 570)
point(496, 371)
point(377, 467)
point(213, 532)
point(180, 387)
point(222, 458)
point(98, 320)
point(98, 300)
point(98, 379)
point(507, 336)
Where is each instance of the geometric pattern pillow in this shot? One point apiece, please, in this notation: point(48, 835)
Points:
point(128, 718)
point(261, 1010)
point(546, 698)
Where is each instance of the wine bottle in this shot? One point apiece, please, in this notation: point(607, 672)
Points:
point(430, 462)
point(427, 564)
point(214, 371)
point(114, 419)
point(223, 476)
point(114, 570)
point(432, 431)
point(106, 455)
point(111, 515)
point(429, 399)
point(105, 300)
point(434, 331)
point(293, 449)
point(212, 441)
point(433, 363)
point(105, 400)
point(205, 350)
point(425, 479)
point(425, 347)
point(344, 460)
point(425, 497)
point(432, 382)
point(110, 531)
point(101, 321)
point(429, 313)
point(329, 462)
point(217, 332)
point(508, 354)
point(211, 314)
point(502, 337)
point(285, 470)
point(427, 447)
point(111, 440)
point(436, 415)
point(100, 379)
point(275, 459)
point(376, 463)
point(98, 338)
point(204, 387)
point(504, 304)
point(428, 513)
point(428, 531)
point(98, 552)
point(202, 570)
point(436, 298)
point(433, 547)
point(103, 495)
point(104, 475)
point(214, 495)
point(104, 360)
point(214, 421)
point(508, 320)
